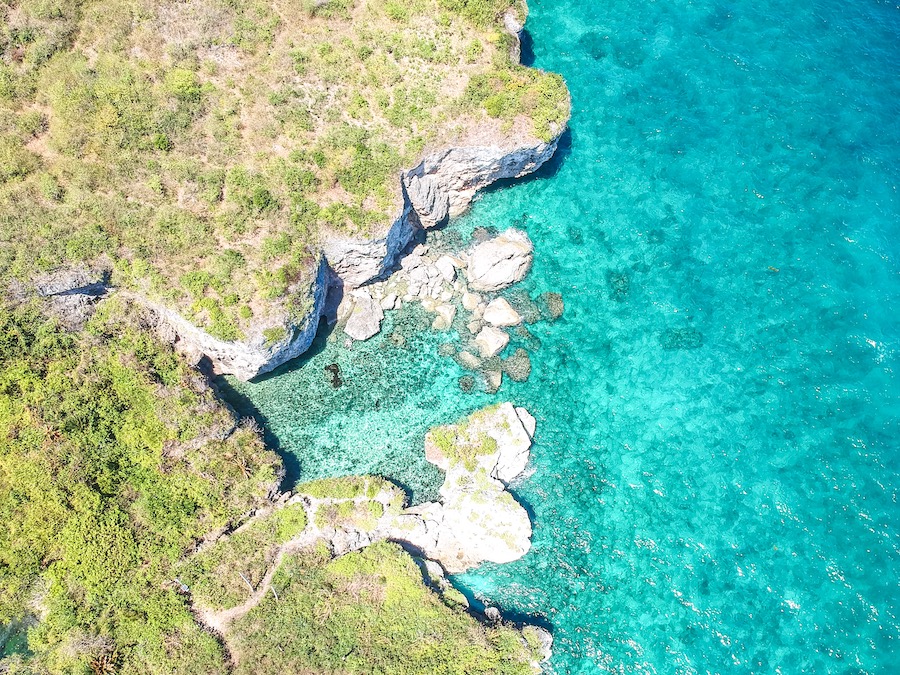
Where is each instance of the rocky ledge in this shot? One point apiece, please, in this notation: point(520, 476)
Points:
point(476, 519)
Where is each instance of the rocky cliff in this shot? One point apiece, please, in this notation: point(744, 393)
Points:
point(441, 186)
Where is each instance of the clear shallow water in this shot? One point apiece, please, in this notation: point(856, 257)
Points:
point(730, 507)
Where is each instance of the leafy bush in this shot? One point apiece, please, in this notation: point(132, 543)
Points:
point(109, 470)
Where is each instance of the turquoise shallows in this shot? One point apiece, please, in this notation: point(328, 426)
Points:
point(715, 484)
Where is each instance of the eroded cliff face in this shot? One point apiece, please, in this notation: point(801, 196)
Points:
point(441, 186)
point(257, 355)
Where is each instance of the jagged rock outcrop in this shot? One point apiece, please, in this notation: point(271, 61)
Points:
point(71, 294)
point(441, 186)
point(476, 520)
point(249, 358)
point(500, 262)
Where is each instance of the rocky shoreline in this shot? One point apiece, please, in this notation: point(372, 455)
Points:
point(476, 519)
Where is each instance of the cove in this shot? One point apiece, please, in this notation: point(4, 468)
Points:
point(715, 473)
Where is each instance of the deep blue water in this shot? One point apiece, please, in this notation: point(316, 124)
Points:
point(716, 476)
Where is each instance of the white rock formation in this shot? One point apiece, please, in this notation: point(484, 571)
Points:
point(255, 355)
point(500, 313)
point(445, 316)
point(476, 520)
point(365, 317)
point(491, 341)
point(500, 262)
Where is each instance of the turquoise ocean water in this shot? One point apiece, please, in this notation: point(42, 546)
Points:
point(715, 478)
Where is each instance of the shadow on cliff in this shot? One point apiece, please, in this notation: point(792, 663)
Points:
point(526, 45)
point(548, 170)
point(244, 407)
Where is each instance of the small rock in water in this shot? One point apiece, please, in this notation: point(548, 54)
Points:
point(491, 341)
point(397, 338)
point(468, 360)
point(518, 366)
point(447, 349)
point(492, 614)
point(681, 338)
point(500, 313)
point(390, 302)
point(335, 371)
point(474, 327)
point(552, 306)
point(467, 383)
point(444, 318)
point(480, 234)
point(470, 301)
point(492, 380)
point(446, 268)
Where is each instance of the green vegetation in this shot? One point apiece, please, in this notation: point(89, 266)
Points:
point(465, 440)
point(113, 461)
point(347, 487)
point(367, 611)
point(218, 576)
point(199, 149)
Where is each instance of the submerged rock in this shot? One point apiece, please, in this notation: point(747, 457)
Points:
point(681, 338)
point(335, 371)
point(525, 306)
point(467, 383)
point(618, 284)
point(500, 262)
point(518, 366)
point(552, 305)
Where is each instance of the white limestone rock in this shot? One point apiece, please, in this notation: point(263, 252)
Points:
point(477, 520)
point(365, 318)
point(446, 268)
point(500, 313)
point(470, 301)
point(500, 262)
point(491, 341)
point(444, 318)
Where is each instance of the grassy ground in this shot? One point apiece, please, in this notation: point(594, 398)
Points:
point(114, 458)
point(202, 148)
point(367, 612)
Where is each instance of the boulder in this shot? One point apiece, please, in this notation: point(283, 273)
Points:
point(390, 301)
point(446, 268)
point(491, 341)
point(470, 301)
point(445, 316)
point(500, 262)
point(365, 318)
point(500, 313)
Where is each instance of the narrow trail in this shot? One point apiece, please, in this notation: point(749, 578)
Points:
point(219, 620)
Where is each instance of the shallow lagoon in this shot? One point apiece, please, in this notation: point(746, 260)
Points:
point(715, 475)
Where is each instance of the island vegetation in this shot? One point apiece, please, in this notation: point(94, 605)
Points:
point(198, 153)
point(200, 150)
